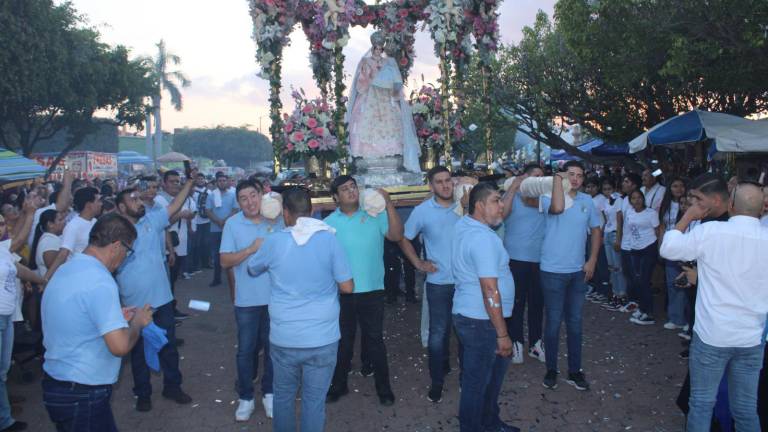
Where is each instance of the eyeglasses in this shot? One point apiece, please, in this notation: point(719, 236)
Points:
point(128, 249)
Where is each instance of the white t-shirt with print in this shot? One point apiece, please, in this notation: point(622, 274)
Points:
point(640, 228)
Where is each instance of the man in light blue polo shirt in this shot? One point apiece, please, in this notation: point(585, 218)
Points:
point(564, 274)
point(143, 279)
point(242, 232)
point(220, 205)
point(362, 237)
point(309, 268)
point(485, 292)
point(434, 219)
point(86, 331)
point(523, 236)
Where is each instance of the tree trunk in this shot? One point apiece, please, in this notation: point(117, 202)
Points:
point(158, 147)
point(148, 142)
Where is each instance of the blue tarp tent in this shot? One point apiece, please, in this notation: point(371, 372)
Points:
point(729, 133)
point(14, 167)
point(596, 146)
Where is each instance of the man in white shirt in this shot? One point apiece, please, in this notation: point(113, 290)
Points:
point(731, 306)
point(74, 239)
point(653, 191)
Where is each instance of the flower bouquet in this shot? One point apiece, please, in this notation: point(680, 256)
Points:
point(428, 118)
point(309, 130)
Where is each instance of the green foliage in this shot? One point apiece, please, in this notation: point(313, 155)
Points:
point(619, 67)
point(238, 146)
point(56, 74)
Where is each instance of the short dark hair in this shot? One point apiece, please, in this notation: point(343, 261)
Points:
point(149, 178)
point(220, 174)
point(54, 196)
point(107, 204)
point(480, 192)
point(120, 199)
point(84, 196)
point(297, 201)
point(200, 175)
point(530, 167)
point(710, 184)
point(111, 228)
point(245, 184)
point(437, 169)
point(574, 163)
point(106, 190)
point(592, 181)
point(170, 173)
point(340, 180)
point(634, 178)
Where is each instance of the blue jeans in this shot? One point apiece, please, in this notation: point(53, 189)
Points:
point(482, 375)
point(563, 301)
point(252, 335)
point(6, 349)
point(169, 356)
point(642, 262)
point(618, 281)
point(440, 306)
point(527, 289)
point(707, 366)
point(677, 299)
point(312, 368)
point(75, 408)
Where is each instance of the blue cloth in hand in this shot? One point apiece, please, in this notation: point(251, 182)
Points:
point(154, 341)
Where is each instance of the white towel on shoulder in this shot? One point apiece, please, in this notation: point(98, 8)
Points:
point(306, 227)
point(216, 198)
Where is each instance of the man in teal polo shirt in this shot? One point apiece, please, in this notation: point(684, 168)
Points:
point(362, 238)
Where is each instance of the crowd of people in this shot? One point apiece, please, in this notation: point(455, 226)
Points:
point(491, 259)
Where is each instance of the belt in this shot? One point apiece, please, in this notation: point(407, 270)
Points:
point(73, 385)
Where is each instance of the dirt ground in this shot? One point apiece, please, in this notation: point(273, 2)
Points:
point(634, 372)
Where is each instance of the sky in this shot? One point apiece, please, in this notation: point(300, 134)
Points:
point(214, 42)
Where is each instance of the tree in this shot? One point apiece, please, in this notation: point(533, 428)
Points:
point(619, 67)
point(56, 74)
point(165, 80)
point(238, 146)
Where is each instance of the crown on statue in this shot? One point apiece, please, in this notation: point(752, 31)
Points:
point(378, 39)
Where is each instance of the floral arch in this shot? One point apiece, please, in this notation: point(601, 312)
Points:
point(459, 28)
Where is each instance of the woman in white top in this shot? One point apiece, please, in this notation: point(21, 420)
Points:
point(47, 241)
point(10, 269)
point(629, 183)
point(640, 223)
point(610, 208)
point(669, 213)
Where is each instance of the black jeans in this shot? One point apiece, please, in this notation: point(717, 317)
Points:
point(215, 238)
point(201, 248)
point(641, 263)
point(397, 265)
point(175, 270)
point(367, 310)
point(527, 288)
point(169, 356)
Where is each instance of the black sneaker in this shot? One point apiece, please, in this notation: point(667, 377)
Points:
point(550, 380)
point(179, 342)
point(15, 426)
point(179, 315)
point(177, 395)
point(435, 394)
point(387, 399)
point(336, 392)
point(685, 354)
point(143, 404)
point(367, 370)
point(577, 380)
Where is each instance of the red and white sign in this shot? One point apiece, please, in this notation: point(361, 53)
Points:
point(85, 164)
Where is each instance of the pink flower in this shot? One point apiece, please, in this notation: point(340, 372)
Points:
point(319, 131)
point(313, 143)
point(288, 128)
point(297, 137)
point(403, 13)
point(435, 136)
point(289, 146)
point(308, 108)
point(404, 61)
point(312, 123)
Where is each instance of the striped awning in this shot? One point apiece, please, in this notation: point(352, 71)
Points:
point(14, 167)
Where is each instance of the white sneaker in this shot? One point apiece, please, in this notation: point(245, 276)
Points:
point(244, 410)
point(672, 326)
point(517, 353)
point(537, 351)
point(636, 313)
point(267, 402)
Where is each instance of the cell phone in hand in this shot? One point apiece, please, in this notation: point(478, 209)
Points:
point(187, 168)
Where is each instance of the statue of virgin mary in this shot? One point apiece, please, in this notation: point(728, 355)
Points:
point(380, 119)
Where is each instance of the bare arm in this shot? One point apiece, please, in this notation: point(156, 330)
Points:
point(347, 287)
point(619, 229)
point(28, 275)
point(61, 258)
point(213, 218)
point(178, 200)
point(231, 259)
point(492, 302)
point(395, 231)
point(408, 250)
point(19, 238)
point(594, 251)
point(557, 205)
point(121, 341)
point(508, 199)
point(65, 196)
point(49, 257)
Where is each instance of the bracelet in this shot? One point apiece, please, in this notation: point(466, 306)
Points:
point(502, 337)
